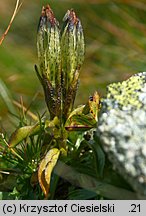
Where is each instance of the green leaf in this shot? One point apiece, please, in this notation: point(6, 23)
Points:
point(84, 117)
point(77, 111)
point(81, 194)
point(99, 155)
point(8, 182)
point(22, 133)
point(80, 122)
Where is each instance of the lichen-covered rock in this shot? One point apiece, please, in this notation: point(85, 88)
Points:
point(122, 129)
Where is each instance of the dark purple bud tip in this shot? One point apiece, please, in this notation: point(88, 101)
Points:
point(50, 16)
point(47, 18)
point(79, 26)
point(43, 19)
point(71, 19)
point(70, 16)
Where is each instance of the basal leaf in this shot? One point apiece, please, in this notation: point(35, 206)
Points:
point(45, 169)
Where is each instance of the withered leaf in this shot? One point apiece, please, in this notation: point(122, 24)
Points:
point(46, 168)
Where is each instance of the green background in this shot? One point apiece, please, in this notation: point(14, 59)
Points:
point(115, 37)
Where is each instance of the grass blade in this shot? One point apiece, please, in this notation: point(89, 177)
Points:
point(6, 96)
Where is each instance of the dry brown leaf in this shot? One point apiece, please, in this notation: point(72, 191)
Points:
point(45, 169)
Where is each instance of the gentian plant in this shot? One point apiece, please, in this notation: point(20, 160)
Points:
point(35, 149)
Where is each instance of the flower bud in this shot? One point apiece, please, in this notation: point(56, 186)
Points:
point(60, 59)
point(48, 45)
point(49, 55)
point(72, 56)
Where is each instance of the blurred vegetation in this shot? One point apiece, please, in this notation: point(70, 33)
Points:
point(115, 49)
point(115, 34)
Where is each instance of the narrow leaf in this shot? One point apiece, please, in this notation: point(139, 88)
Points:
point(99, 158)
point(6, 96)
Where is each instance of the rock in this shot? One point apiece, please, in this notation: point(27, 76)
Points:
point(122, 129)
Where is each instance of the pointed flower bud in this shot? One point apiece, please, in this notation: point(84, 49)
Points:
point(72, 45)
point(49, 55)
point(72, 50)
point(60, 59)
point(48, 45)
